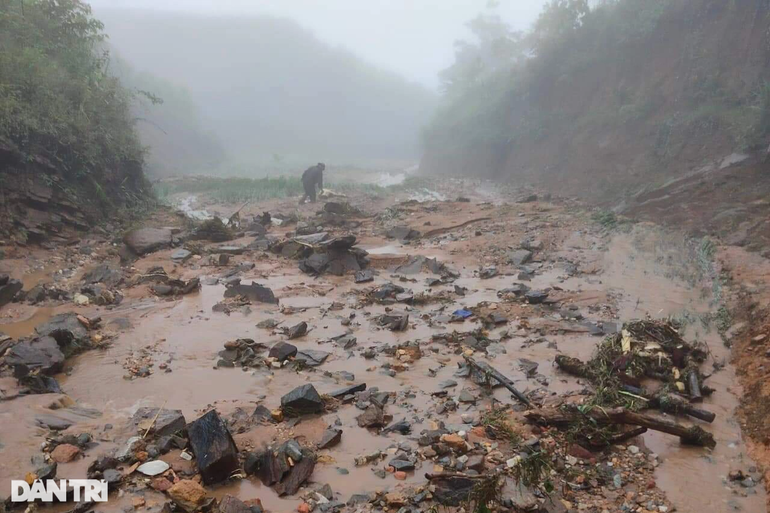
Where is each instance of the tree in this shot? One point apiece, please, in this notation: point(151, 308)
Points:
point(496, 47)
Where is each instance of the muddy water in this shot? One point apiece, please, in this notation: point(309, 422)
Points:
point(630, 275)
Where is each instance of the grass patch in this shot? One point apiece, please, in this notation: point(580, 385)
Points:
point(605, 218)
point(497, 421)
point(234, 190)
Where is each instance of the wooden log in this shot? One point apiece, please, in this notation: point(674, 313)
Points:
point(499, 377)
point(693, 384)
point(672, 403)
point(693, 435)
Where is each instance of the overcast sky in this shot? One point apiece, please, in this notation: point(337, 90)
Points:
point(411, 37)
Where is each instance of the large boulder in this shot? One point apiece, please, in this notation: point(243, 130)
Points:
point(214, 448)
point(146, 240)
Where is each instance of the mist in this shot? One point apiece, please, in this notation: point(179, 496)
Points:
point(250, 86)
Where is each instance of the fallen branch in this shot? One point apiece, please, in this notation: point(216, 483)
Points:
point(439, 231)
point(693, 435)
point(667, 403)
point(488, 370)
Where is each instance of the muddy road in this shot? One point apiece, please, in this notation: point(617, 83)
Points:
point(166, 351)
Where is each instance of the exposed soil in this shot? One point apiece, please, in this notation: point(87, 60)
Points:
point(596, 280)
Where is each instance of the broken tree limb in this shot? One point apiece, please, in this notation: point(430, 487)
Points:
point(693, 435)
point(667, 403)
point(671, 403)
point(488, 370)
point(439, 231)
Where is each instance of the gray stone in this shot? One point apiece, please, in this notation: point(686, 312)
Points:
point(254, 292)
point(181, 255)
point(302, 400)
point(282, 351)
point(215, 452)
point(146, 240)
point(167, 423)
point(330, 438)
point(41, 354)
point(519, 256)
point(9, 290)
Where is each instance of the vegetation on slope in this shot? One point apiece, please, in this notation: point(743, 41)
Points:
point(58, 100)
point(627, 90)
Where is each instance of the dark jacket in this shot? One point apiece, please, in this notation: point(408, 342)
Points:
point(313, 176)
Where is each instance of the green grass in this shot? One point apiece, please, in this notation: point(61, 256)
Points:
point(234, 190)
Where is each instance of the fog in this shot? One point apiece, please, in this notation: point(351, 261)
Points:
point(254, 85)
point(413, 38)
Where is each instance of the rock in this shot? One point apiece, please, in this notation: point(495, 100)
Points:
point(455, 441)
point(64, 453)
point(104, 273)
point(522, 497)
point(311, 357)
point(9, 289)
point(519, 256)
point(373, 416)
point(153, 468)
point(297, 330)
point(330, 438)
point(268, 468)
point(452, 491)
point(167, 423)
point(68, 332)
point(213, 446)
point(298, 474)
point(113, 477)
point(230, 504)
point(181, 255)
point(401, 464)
point(402, 233)
point(395, 321)
point(132, 444)
point(254, 292)
point(467, 397)
point(47, 472)
point(146, 240)
point(535, 297)
point(301, 401)
point(161, 484)
point(352, 389)
point(188, 495)
point(41, 354)
point(364, 276)
point(282, 351)
point(580, 452)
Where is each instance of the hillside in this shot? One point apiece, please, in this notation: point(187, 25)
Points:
point(271, 91)
point(617, 100)
point(69, 151)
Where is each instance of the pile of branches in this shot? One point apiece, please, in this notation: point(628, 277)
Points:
point(643, 350)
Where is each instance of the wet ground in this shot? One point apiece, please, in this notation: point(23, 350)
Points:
point(608, 277)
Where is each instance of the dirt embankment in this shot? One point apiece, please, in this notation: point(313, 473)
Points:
point(40, 203)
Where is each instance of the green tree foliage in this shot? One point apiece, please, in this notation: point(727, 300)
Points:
point(57, 96)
